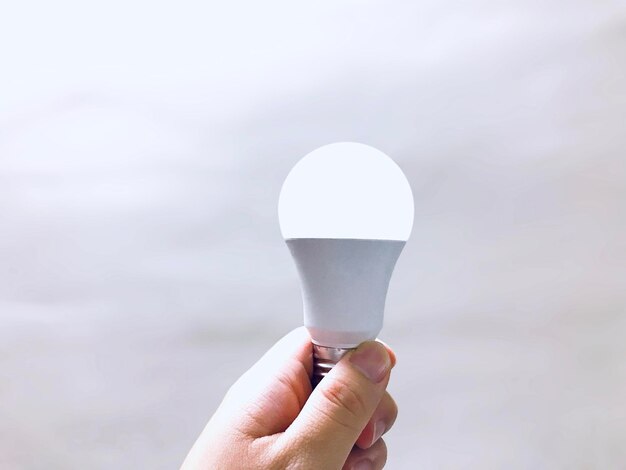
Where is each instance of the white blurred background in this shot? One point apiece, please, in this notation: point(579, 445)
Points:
point(142, 149)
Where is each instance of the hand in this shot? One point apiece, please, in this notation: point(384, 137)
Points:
point(271, 419)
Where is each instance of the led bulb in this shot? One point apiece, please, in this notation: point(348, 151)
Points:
point(345, 211)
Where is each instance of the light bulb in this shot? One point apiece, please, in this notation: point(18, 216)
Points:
point(346, 212)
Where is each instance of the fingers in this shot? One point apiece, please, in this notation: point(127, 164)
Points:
point(380, 422)
point(373, 458)
point(342, 404)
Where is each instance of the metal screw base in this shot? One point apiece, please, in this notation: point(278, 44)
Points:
point(324, 359)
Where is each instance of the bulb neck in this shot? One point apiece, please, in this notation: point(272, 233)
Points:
point(324, 359)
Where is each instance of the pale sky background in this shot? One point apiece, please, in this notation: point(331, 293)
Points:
point(142, 270)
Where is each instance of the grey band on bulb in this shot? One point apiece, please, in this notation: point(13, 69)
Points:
point(324, 359)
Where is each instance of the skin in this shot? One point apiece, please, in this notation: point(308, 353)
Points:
point(271, 419)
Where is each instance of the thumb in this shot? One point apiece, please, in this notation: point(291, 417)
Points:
point(342, 404)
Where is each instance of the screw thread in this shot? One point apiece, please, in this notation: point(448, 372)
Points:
point(324, 359)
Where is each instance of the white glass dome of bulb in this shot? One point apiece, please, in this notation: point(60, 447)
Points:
point(345, 211)
point(346, 190)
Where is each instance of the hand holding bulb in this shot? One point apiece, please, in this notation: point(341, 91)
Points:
point(272, 419)
point(318, 399)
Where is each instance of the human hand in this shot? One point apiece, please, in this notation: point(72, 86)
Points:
point(272, 419)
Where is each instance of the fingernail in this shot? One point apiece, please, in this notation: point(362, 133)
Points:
point(372, 360)
point(379, 430)
point(363, 465)
point(392, 355)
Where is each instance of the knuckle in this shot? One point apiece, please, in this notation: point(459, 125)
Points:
point(295, 455)
point(349, 404)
